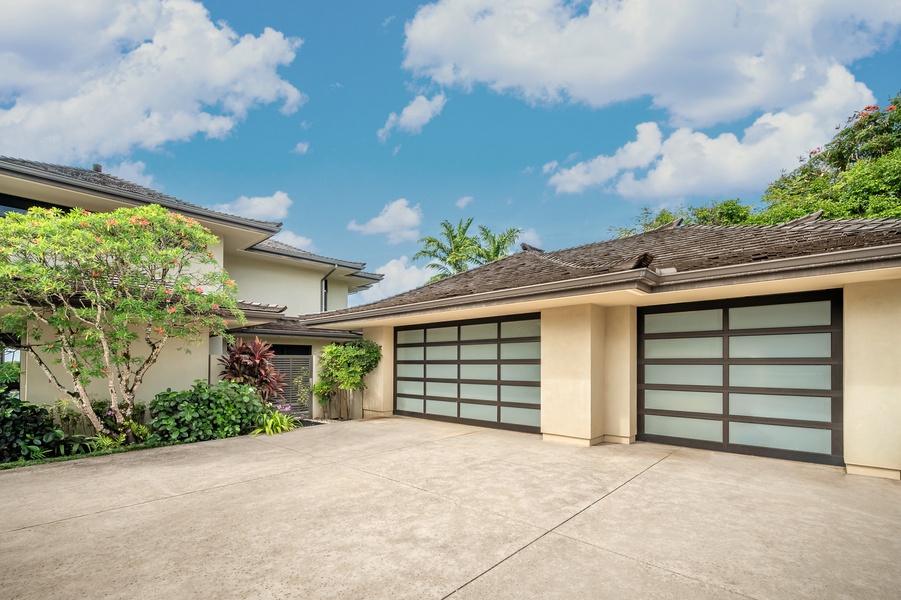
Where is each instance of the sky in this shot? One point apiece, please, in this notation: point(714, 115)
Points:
point(362, 125)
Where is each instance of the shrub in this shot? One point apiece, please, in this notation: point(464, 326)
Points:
point(26, 431)
point(206, 412)
point(251, 363)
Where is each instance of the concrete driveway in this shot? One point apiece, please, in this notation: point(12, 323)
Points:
point(407, 508)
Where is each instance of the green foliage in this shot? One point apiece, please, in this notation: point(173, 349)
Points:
point(102, 294)
point(857, 175)
point(206, 412)
point(26, 431)
point(277, 422)
point(343, 369)
point(71, 445)
point(102, 442)
point(10, 372)
point(455, 251)
point(251, 363)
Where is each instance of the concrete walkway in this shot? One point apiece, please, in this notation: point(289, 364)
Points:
point(407, 508)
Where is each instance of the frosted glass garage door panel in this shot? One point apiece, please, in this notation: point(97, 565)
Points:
point(705, 347)
point(801, 377)
point(413, 388)
point(410, 371)
point(441, 353)
point(478, 372)
point(481, 412)
point(409, 404)
point(522, 350)
point(485, 331)
point(520, 329)
point(521, 416)
point(800, 408)
point(801, 439)
point(690, 320)
point(685, 401)
point(413, 336)
point(520, 372)
point(801, 314)
point(684, 374)
point(520, 393)
point(695, 429)
point(474, 391)
point(441, 371)
point(439, 407)
point(479, 352)
point(441, 334)
point(801, 345)
point(410, 353)
point(444, 390)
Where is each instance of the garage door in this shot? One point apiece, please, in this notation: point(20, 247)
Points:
point(484, 372)
point(755, 376)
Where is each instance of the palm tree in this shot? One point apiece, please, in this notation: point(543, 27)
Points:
point(493, 246)
point(452, 252)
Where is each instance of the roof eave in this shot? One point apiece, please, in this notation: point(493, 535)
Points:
point(39, 176)
point(645, 281)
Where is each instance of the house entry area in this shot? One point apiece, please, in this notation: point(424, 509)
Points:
point(756, 376)
point(484, 372)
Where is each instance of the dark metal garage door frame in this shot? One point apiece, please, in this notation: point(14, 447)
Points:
point(459, 381)
point(835, 361)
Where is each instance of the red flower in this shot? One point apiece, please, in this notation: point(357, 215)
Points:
point(199, 289)
point(99, 240)
point(110, 222)
point(167, 291)
point(172, 310)
point(215, 305)
point(891, 108)
point(159, 330)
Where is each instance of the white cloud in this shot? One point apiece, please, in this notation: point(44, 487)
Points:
point(301, 148)
point(464, 201)
point(399, 277)
point(387, 21)
point(529, 236)
point(264, 208)
point(134, 172)
point(414, 117)
point(704, 62)
point(398, 219)
point(84, 80)
point(292, 239)
point(689, 162)
point(549, 167)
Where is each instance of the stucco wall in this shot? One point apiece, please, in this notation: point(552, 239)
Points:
point(174, 369)
point(277, 283)
point(620, 375)
point(872, 398)
point(379, 397)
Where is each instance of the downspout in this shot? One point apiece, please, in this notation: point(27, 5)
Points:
point(323, 287)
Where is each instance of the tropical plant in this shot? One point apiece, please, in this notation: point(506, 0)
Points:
point(26, 431)
point(455, 251)
point(206, 412)
point(102, 294)
point(10, 372)
point(494, 246)
point(277, 421)
point(251, 363)
point(343, 369)
point(452, 252)
point(857, 175)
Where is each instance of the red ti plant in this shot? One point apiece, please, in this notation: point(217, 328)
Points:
point(251, 363)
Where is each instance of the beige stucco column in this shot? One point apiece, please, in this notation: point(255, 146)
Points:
point(588, 377)
point(872, 373)
point(572, 374)
point(378, 399)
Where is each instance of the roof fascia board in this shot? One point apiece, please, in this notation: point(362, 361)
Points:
point(352, 266)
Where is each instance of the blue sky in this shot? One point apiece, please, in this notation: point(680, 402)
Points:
point(361, 125)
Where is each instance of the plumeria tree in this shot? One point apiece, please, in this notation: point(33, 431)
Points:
point(102, 294)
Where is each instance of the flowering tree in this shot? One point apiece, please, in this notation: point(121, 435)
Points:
point(102, 294)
